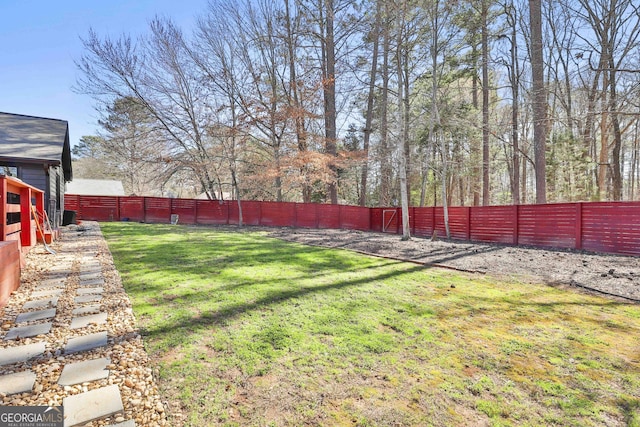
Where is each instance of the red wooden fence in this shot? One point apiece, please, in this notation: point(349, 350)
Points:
point(612, 227)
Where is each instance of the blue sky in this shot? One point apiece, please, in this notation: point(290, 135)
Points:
point(40, 40)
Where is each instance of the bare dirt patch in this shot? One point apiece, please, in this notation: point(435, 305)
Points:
point(611, 275)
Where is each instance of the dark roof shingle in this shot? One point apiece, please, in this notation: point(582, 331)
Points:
point(33, 139)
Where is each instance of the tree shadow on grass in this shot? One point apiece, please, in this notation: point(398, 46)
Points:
point(222, 316)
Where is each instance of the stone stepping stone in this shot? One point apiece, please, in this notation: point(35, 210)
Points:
point(41, 303)
point(28, 331)
point(92, 282)
point(84, 321)
point(86, 342)
point(85, 371)
point(19, 382)
point(88, 309)
point(47, 293)
point(51, 283)
point(36, 315)
point(90, 269)
point(59, 275)
point(128, 423)
point(21, 353)
point(90, 276)
point(92, 405)
point(85, 291)
point(82, 299)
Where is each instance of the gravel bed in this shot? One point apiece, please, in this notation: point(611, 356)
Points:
point(129, 368)
point(611, 275)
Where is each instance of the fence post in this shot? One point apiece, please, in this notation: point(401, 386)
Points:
point(468, 231)
point(516, 224)
point(579, 226)
point(412, 220)
point(433, 220)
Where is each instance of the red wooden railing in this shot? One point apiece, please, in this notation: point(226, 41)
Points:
point(17, 230)
point(612, 227)
point(16, 219)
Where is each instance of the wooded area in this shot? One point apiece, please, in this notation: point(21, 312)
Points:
point(373, 102)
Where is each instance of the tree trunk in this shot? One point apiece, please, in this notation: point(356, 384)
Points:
point(445, 194)
point(515, 114)
point(486, 200)
point(329, 86)
point(299, 119)
point(603, 158)
point(402, 112)
point(617, 135)
point(369, 113)
point(539, 100)
point(475, 144)
point(385, 160)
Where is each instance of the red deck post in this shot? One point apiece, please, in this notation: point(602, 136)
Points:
point(25, 217)
point(40, 206)
point(3, 208)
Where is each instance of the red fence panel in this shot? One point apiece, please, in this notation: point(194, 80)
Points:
point(131, 208)
point(423, 220)
point(233, 212)
point(157, 210)
point(611, 227)
point(496, 224)
point(99, 208)
point(212, 212)
point(328, 216)
point(185, 209)
point(251, 212)
point(458, 222)
point(375, 219)
point(548, 225)
point(278, 214)
point(355, 218)
point(72, 202)
point(306, 215)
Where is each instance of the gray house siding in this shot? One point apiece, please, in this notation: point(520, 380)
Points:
point(55, 204)
point(33, 175)
point(52, 185)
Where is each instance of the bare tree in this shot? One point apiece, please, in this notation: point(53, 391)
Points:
point(130, 146)
point(157, 72)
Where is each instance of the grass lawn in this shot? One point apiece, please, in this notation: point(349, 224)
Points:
point(249, 330)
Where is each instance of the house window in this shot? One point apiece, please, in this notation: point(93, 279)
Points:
point(9, 171)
